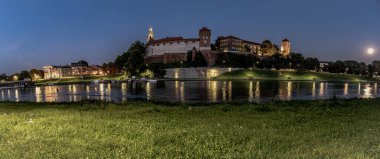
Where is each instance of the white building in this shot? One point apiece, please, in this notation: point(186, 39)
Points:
point(178, 44)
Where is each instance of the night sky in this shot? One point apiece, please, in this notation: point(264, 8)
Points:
point(34, 33)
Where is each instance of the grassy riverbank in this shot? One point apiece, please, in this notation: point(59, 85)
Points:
point(313, 129)
point(85, 79)
point(290, 75)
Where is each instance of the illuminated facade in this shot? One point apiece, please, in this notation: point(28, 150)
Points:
point(175, 49)
point(285, 47)
point(75, 69)
point(236, 45)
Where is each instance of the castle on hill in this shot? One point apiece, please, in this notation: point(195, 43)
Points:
point(175, 49)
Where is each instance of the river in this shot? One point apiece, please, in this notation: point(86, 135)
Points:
point(193, 91)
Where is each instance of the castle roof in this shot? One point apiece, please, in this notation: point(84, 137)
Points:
point(171, 39)
point(244, 41)
point(205, 29)
point(250, 42)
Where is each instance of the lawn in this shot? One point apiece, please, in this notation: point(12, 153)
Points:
point(290, 75)
point(300, 129)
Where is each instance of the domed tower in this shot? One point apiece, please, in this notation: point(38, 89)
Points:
point(285, 47)
point(205, 39)
point(150, 35)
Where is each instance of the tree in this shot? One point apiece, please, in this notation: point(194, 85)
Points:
point(3, 77)
point(36, 74)
point(24, 75)
point(277, 61)
point(199, 60)
point(15, 77)
point(268, 48)
point(121, 60)
point(376, 67)
point(371, 71)
point(158, 69)
point(135, 63)
point(311, 64)
point(296, 61)
point(217, 43)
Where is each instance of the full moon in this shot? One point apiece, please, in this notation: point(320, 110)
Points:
point(370, 51)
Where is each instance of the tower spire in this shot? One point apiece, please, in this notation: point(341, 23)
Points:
point(150, 34)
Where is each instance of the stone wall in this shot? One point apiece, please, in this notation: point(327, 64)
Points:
point(172, 47)
point(210, 57)
point(196, 73)
point(166, 58)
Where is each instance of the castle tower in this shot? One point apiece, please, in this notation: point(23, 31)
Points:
point(205, 39)
point(285, 47)
point(150, 34)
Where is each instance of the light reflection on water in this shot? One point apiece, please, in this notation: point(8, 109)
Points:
point(193, 91)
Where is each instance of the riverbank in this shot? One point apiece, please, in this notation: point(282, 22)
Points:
point(86, 79)
point(290, 76)
point(299, 129)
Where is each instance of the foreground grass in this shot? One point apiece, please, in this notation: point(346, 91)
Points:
point(290, 75)
point(315, 129)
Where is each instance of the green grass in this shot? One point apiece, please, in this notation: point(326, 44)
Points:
point(78, 80)
point(290, 75)
point(314, 129)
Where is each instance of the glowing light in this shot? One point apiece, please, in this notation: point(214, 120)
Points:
point(257, 91)
point(289, 89)
point(346, 89)
point(367, 91)
point(321, 89)
point(224, 89)
point(176, 74)
point(38, 94)
point(370, 51)
point(15, 78)
point(124, 91)
point(250, 99)
point(17, 95)
point(148, 90)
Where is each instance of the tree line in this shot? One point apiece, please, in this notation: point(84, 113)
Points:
point(33, 74)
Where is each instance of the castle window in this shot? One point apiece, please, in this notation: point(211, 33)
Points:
point(178, 42)
point(171, 43)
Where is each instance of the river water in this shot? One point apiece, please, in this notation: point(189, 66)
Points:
point(193, 91)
